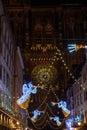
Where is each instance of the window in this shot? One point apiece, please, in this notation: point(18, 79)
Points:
point(4, 75)
point(80, 98)
point(0, 71)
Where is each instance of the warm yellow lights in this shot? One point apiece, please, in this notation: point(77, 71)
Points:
point(18, 123)
point(75, 129)
point(77, 47)
point(79, 123)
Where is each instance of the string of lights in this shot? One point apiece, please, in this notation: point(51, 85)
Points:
point(58, 55)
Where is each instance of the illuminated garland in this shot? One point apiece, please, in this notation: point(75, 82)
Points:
point(45, 119)
point(37, 124)
point(66, 67)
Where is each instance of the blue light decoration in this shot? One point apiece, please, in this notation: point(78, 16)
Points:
point(36, 113)
point(68, 123)
point(63, 106)
point(85, 46)
point(71, 47)
point(76, 47)
point(27, 90)
point(77, 119)
point(56, 118)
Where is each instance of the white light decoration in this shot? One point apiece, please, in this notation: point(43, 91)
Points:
point(28, 89)
point(75, 47)
point(78, 119)
point(62, 105)
point(36, 113)
point(68, 123)
point(49, 117)
point(56, 118)
point(71, 47)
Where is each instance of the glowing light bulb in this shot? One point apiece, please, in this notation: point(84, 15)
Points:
point(79, 123)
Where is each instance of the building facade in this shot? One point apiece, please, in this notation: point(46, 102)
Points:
point(8, 84)
point(43, 33)
point(41, 30)
point(78, 93)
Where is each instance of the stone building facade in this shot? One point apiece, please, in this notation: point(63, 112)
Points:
point(9, 118)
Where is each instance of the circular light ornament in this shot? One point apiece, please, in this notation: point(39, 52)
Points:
point(44, 74)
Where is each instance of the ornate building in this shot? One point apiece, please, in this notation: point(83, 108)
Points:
point(41, 30)
point(43, 33)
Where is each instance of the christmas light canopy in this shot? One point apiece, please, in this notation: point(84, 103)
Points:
point(44, 76)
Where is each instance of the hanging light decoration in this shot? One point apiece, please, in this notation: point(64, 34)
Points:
point(27, 89)
point(63, 106)
point(36, 113)
point(76, 47)
point(56, 118)
point(41, 119)
point(44, 114)
point(45, 74)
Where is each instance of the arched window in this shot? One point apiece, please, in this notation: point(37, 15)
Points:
point(48, 29)
point(38, 29)
point(49, 33)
